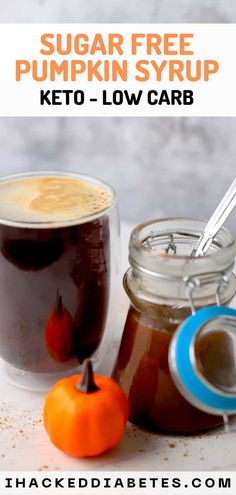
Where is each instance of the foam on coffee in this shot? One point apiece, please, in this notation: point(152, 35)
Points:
point(50, 199)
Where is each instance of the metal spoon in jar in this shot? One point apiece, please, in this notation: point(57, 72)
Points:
point(216, 221)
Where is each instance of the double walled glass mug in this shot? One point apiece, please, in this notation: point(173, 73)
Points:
point(59, 245)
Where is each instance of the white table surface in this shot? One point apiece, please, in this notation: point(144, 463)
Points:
point(25, 446)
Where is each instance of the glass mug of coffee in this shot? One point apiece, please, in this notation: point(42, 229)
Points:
point(58, 272)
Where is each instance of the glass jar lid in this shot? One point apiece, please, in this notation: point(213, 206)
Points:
point(202, 359)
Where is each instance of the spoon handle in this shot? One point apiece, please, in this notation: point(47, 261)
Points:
point(216, 221)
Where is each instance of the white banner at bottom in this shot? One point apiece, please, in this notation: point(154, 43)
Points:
point(125, 482)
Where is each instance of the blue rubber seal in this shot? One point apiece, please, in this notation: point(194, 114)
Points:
point(185, 371)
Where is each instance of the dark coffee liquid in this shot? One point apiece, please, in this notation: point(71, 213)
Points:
point(35, 264)
point(143, 372)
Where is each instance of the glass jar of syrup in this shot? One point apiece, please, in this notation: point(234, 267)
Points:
point(159, 285)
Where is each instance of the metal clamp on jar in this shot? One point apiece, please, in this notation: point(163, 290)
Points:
point(165, 285)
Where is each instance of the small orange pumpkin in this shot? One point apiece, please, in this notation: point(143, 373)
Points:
point(59, 332)
point(85, 415)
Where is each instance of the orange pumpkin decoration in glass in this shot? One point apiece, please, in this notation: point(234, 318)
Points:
point(59, 332)
point(85, 415)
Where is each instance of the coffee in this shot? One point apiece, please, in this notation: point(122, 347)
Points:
point(54, 245)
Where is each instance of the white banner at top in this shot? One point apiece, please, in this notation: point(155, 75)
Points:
point(117, 70)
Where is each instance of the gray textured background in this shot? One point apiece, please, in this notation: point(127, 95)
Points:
point(165, 166)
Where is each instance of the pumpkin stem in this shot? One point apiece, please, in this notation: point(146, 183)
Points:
point(59, 305)
point(87, 383)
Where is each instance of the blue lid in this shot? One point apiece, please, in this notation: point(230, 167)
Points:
point(186, 376)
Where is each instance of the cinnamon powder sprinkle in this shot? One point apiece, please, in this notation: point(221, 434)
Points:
point(17, 424)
